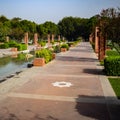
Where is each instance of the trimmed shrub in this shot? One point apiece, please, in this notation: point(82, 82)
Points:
point(44, 53)
point(24, 46)
point(12, 43)
point(18, 46)
point(56, 49)
point(21, 47)
point(65, 46)
point(53, 43)
point(71, 44)
point(4, 46)
point(42, 43)
point(112, 53)
point(112, 66)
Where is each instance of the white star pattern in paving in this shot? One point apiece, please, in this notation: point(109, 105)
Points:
point(62, 84)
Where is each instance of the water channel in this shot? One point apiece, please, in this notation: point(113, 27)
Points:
point(11, 65)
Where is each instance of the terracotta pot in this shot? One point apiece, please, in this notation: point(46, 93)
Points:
point(14, 49)
point(39, 62)
point(63, 49)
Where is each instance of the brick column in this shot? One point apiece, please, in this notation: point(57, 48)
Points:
point(96, 39)
point(26, 39)
point(48, 36)
point(7, 39)
point(35, 38)
point(58, 37)
point(91, 38)
point(53, 37)
point(102, 47)
point(63, 38)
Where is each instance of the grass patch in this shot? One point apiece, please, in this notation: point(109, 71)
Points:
point(115, 83)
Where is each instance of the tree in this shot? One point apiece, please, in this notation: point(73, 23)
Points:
point(92, 23)
point(47, 28)
point(16, 19)
point(50, 27)
point(73, 27)
point(110, 24)
point(42, 31)
point(4, 31)
point(3, 19)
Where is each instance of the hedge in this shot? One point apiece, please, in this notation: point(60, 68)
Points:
point(42, 43)
point(112, 53)
point(21, 47)
point(112, 65)
point(4, 46)
point(56, 48)
point(12, 43)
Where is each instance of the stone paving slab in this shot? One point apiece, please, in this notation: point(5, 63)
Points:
point(30, 109)
point(32, 96)
point(43, 85)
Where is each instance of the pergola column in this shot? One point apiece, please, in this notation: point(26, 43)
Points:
point(48, 37)
point(53, 37)
point(58, 37)
point(26, 38)
point(96, 39)
point(91, 38)
point(7, 38)
point(102, 47)
point(35, 38)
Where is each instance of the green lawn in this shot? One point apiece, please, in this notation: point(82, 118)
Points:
point(115, 83)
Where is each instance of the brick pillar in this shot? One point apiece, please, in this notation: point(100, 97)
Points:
point(96, 39)
point(91, 38)
point(35, 38)
point(63, 38)
point(26, 39)
point(7, 39)
point(53, 37)
point(48, 39)
point(58, 37)
point(102, 47)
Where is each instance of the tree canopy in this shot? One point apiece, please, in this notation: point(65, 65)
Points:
point(16, 27)
point(109, 22)
point(47, 28)
point(73, 27)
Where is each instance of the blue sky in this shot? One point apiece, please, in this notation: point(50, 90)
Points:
point(41, 11)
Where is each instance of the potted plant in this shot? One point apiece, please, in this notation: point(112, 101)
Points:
point(42, 56)
point(64, 47)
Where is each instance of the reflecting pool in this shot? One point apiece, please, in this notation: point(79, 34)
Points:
point(14, 64)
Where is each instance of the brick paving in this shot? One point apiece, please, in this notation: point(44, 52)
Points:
point(32, 96)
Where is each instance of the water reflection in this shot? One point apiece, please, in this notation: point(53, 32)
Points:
point(12, 64)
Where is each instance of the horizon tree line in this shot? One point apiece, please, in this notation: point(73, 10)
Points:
point(70, 27)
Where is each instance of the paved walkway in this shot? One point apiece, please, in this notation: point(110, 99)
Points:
point(71, 87)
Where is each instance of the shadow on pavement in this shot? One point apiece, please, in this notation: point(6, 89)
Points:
point(69, 58)
point(94, 71)
point(98, 110)
point(81, 50)
point(7, 115)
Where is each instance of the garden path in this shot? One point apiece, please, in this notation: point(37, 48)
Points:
point(71, 87)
